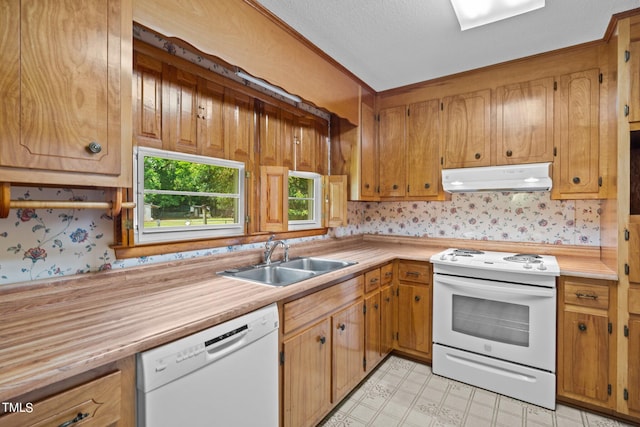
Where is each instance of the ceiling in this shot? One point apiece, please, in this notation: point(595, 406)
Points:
point(393, 43)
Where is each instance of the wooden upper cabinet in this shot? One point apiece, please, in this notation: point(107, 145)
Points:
point(305, 144)
point(210, 119)
point(274, 201)
point(147, 100)
point(322, 147)
point(524, 130)
point(288, 140)
point(179, 110)
point(577, 114)
point(368, 154)
point(467, 129)
point(634, 250)
point(61, 82)
point(423, 149)
point(335, 197)
point(238, 127)
point(270, 135)
point(392, 151)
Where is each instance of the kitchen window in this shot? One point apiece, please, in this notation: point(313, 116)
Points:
point(182, 196)
point(305, 191)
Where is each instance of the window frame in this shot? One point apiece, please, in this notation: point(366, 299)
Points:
point(316, 222)
point(177, 234)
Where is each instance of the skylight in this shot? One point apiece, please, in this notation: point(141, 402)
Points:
point(474, 13)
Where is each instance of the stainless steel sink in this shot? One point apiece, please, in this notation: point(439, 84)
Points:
point(286, 273)
point(316, 264)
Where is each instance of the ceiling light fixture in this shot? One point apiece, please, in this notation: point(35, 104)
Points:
point(268, 86)
point(474, 13)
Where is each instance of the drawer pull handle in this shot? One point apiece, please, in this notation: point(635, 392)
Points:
point(413, 273)
point(582, 327)
point(586, 296)
point(78, 418)
point(323, 340)
point(417, 298)
point(342, 326)
point(388, 274)
point(373, 280)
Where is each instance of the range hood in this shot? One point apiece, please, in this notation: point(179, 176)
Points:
point(527, 177)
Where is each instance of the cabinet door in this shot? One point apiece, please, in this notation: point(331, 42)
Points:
point(335, 200)
point(147, 105)
point(634, 366)
point(288, 140)
point(372, 331)
point(179, 110)
point(466, 128)
point(585, 356)
point(423, 149)
point(391, 148)
point(322, 147)
point(577, 114)
point(306, 142)
point(270, 134)
point(368, 154)
point(387, 327)
point(634, 73)
point(307, 376)
point(60, 85)
point(525, 122)
point(274, 201)
point(348, 349)
point(414, 318)
point(238, 127)
point(210, 115)
point(634, 251)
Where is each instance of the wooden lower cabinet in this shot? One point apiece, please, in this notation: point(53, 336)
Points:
point(634, 365)
point(373, 327)
point(585, 359)
point(307, 375)
point(348, 349)
point(387, 320)
point(414, 294)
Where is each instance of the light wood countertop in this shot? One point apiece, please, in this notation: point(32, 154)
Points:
point(55, 329)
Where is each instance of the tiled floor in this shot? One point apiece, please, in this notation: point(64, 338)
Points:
point(404, 393)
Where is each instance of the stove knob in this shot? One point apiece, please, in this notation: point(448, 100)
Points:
point(527, 265)
point(443, 257)
point(453, 257)
point(541, 266)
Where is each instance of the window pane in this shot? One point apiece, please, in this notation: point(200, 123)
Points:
point(300, 210)
point(161, 210)
point(300, 187)
point(179, 175)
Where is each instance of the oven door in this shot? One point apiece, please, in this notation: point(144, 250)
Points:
point(508, 321)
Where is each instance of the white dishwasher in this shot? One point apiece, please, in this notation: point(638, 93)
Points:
point(223, 376)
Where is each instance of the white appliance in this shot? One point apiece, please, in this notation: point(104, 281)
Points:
point(526, 177)
point(224, 376)
point(494, 322)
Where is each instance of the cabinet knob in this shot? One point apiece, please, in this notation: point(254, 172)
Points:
point(395, 186)
point(509, 153)
point(576, 180)
point(478, 155)
point(367, 186)
point(582, 327)
point(94, 147)
point(342, 326)
point(387, 299)
point(375, 306)
point(323, 340)
point(427, 185)
point(417, 298)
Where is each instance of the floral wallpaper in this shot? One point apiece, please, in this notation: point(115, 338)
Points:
point(42, 243)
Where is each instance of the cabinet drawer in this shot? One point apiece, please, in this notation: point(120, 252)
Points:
point(311, 307)
point(96, 403)
point(372, 280)
point(634, 301)
point(386, 274)
point(414, 271)
point(586, 295)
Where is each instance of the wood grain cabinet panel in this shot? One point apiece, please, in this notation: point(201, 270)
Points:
point(387, 320)
point(238, 127)
point(61, 83)
point(372, 315)
point(270, 134)
point(423, 149)
point(414, 318)
point(466, 128)
point(348, 349)
point(180, 110)
point(210, 119)
point(634, 96)
point(368, 154)
point(634, 366)
point(147, 100)
point(392, 152)
point(577, 120)
point(524, 129)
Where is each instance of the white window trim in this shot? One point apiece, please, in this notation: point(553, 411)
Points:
point(316, 222)
point(174, 234)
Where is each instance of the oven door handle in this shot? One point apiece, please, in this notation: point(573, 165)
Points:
point(474, 284)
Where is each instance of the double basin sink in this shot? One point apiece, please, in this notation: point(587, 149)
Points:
point(285, 273)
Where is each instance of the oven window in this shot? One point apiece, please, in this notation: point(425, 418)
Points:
point(494, 320)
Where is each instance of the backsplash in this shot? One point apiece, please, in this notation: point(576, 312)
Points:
point(36, 244)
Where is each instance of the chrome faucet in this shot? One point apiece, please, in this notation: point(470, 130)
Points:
point(270, 246)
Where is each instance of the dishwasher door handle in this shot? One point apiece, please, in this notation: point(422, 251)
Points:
point(225, 346)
